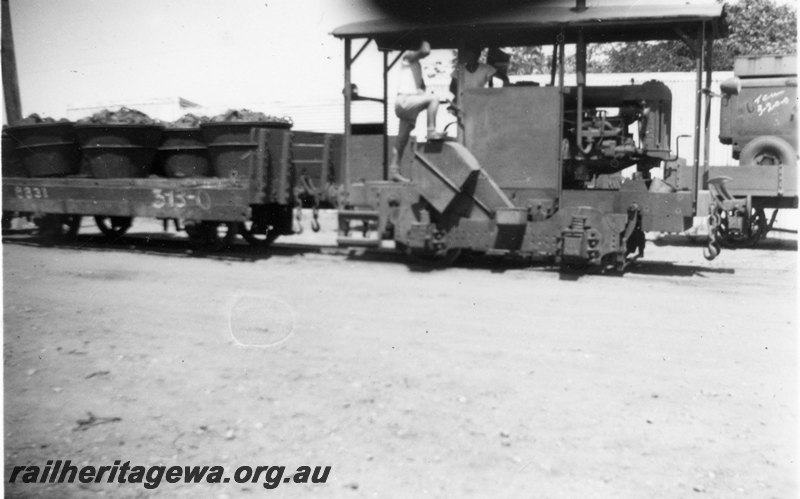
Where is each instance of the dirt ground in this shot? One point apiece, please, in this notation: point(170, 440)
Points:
point(487, 379)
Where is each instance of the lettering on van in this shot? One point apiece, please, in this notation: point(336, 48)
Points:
point(176, 198)
point(766, 103)
point(27, 192)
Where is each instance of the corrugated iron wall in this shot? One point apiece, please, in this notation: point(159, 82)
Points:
point(328, 116)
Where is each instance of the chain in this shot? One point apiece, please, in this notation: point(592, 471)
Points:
point(298, 217)
point(309, 191)
point(714, 221)
point(315, 216)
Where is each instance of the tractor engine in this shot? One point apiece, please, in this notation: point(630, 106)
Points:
point(600, 140)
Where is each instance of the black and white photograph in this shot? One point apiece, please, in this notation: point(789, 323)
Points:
point(534, 249)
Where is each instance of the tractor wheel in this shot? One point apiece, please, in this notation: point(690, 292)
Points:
point(432, 259)
point(574, 268)
point(768, 150)
point(758, 228)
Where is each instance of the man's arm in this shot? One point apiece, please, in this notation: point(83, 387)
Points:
point(502, 77)
point(415, 55)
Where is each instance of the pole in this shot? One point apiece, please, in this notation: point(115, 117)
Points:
point(560, 41)
point(348, 97)
point(580, 74)
point(707, 131)
point(9, 63)
point(385, 114)
point(701, 35)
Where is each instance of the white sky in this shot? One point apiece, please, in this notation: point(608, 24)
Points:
point(218, 53)
point(213, 52)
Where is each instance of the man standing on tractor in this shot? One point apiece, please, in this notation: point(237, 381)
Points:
point(411, 100)
point(472, 72)
point(500, 61)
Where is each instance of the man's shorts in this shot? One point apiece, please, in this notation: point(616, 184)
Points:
point(408, 106)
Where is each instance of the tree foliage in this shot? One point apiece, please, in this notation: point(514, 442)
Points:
point(539, 60)
point(755, 27)
point(528, 60)
point(639, 57)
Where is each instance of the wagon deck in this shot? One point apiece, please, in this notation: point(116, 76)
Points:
point(198, 199)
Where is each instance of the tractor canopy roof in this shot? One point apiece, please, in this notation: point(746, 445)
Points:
point(523, 23)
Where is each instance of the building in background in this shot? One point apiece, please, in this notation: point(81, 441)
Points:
point(328, 115)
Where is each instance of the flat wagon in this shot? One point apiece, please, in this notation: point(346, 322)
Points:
point(268, 179)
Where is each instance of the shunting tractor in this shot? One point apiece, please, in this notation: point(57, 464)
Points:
point(534, 170)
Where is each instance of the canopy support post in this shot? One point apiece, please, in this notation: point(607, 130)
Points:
point(386, 114)
point(348, 99)
point(580, 75)
point(9, 62)
point(708, 97)
point(560, 41)
point(701, 41)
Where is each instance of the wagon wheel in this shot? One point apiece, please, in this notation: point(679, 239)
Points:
point(8, 216)
point(758, 228)
point(226, 234)
point(200, 233)
point(60, 227)
point(256, 237)
point(113, 227)
point(211, 236)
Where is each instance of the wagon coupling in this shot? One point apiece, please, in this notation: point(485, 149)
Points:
point(315, 219)
point(298, 219)
point(365, 223)
point(713, 247)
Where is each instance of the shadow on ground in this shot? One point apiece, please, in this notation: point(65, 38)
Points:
point(171, 244)
point(768, 243)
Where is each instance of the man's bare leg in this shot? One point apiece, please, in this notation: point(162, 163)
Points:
point(403, 135)
point(433, 107)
